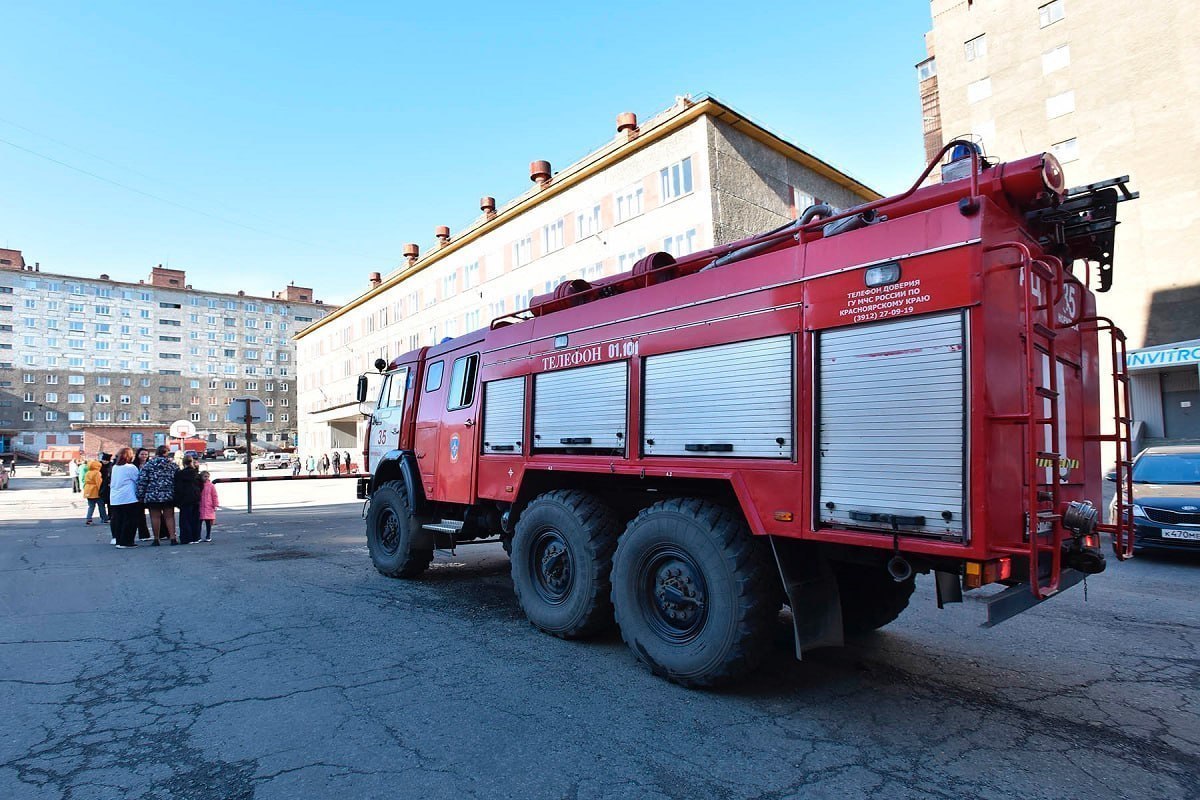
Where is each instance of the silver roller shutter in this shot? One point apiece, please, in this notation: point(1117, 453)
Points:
point(504, 415)
point(729, 400)
point(891, 418)
point(581, 409)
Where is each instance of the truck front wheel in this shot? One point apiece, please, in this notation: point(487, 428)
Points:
point(693, 592)
point(561, 563)
point(391, 530)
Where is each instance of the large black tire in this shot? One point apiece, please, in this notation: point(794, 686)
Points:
point(391, 530)
point(694, 592)
point(561, 563)
point(870, 597)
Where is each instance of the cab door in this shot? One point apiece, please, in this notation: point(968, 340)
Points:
point(454, 481)
point(426, 444)
point(385, 420)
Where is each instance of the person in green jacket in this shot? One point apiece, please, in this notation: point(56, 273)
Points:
point(81, 473)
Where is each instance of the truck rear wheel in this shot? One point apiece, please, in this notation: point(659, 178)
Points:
point(870, 597)
point(561, 563)
point(693, 592)
point(391, 530)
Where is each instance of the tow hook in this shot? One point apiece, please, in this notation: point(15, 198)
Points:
point(1088, 560)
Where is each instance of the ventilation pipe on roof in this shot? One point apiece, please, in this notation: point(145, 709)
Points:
point(374, 279)
point(539, 172)
point(488, 206)
point(627, 124)
point(411, 253)
point(442, 232)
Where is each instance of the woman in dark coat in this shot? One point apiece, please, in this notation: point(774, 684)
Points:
point(139, 513)
point(187, 500)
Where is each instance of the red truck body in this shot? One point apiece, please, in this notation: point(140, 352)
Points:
point(910, 385)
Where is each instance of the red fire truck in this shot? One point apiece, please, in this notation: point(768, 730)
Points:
point(808, 417)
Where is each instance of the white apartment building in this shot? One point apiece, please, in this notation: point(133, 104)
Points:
point(1109, 88)
point(78, 351)
point(695, 175)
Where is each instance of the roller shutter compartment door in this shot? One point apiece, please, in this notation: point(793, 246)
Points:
point(732, 400)
point(891, 414)
point(504, 416)
point(582, 409)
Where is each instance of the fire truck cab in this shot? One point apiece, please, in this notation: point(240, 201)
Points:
point(808, 417)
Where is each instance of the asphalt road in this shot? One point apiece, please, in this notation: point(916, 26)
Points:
point(277, 663)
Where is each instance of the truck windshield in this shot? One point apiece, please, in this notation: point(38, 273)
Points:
point(1174, 468)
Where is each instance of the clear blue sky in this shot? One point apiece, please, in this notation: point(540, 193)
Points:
point(339, 131)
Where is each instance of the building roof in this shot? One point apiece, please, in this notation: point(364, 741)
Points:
point(653, 130)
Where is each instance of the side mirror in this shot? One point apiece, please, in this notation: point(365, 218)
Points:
point(361, 392)
point(1110, 476)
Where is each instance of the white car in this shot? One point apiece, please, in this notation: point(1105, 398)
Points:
point(230, 454)
point(273, 461)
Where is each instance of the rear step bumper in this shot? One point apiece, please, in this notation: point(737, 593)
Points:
point(1015, 599)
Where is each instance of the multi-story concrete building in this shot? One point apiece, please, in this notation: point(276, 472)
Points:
point(1111, 89)
point(696, 175)
point(96, 351)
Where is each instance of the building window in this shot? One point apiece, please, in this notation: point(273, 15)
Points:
point(51, 397)
point(194, 416)
point(587, 222)
point(629, 203)
point(926, 69)
point(676, 180)
point(681, 244)
point(103, 416)
point(1051, 13)
point(625, 261)
point(75, 380)
point(124, 399)
point(552, 236)
point(522, 251)
point(976, 48)
point(28, 378)
point(27, 416)
point(104, 398)
point(1066, 151)
point(1056, 59)
point(51, 416)
point(1060, 104)
point(979, 90)
point(75, 416)
point(75, 397)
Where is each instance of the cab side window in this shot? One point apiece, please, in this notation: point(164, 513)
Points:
point(393, 390)
point(462, 382)
point(433, 376)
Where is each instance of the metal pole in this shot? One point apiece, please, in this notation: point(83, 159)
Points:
point(249, 450)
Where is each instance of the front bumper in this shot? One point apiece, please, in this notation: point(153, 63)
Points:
point(1156, 536)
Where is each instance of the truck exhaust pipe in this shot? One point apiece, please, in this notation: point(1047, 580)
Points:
point(899, 568)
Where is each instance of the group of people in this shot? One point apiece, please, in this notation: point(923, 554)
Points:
point(126, 488)
point(325, 463)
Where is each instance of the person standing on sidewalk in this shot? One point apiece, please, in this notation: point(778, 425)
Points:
point(76, 483)
point(139, 513)
point(208, 505)
point(187, 498)
point(106, 466)
point(123, 494)
point(337, 460)
point(81, 470)
point(156, 488)
point(91, 492)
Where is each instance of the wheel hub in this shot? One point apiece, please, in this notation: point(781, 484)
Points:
point(552, 566)
point(389, 532)
point(674, 595)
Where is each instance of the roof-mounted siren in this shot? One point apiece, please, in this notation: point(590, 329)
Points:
point(959, 165)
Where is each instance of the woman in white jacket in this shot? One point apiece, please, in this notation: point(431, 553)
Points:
point(124, 501)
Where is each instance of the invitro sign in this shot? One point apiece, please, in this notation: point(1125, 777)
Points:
point(1174, 356)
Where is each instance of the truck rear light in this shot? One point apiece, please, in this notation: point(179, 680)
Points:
point(981, 573)
point(784, 516)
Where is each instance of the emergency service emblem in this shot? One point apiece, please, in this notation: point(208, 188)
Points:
point(454, 446)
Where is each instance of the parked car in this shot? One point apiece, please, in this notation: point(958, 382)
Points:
point(212, 452)
point(230, 454)
point(273, 461)
point(195, 454)
point(1166, 498)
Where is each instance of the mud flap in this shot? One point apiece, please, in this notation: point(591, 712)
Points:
point(812, 593)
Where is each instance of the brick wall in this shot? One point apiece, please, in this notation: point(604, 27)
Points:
point(111, 438)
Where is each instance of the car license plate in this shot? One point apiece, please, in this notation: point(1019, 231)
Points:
point(1193, 536)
